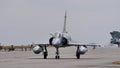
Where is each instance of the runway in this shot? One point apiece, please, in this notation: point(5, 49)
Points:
point(98, 58)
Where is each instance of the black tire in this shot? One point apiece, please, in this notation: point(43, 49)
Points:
point(57, 57)
point(78, 56)
point(45, 55)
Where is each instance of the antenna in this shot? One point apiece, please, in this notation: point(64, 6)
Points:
point(64, 27)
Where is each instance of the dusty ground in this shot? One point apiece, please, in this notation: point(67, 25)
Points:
point(98, 58)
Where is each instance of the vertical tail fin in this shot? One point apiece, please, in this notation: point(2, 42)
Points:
point(64, 27)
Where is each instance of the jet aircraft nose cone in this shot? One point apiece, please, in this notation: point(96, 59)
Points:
point(56, 41)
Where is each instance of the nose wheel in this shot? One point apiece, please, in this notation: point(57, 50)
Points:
point(57, 57)
point(57, 54)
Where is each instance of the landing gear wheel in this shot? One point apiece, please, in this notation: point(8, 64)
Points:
point(78, 55)
point(57, 54)
point(45, 55)
point(57, 57)
point(78, 52)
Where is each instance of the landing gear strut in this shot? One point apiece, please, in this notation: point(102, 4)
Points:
point(57, 54)
point(45, 53)
point(78, 52)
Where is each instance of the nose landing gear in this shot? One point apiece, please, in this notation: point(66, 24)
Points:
point(57, 54)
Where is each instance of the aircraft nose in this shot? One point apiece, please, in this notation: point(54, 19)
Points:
point(56, 41)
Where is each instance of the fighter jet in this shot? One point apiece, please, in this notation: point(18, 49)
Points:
point(115, 38)
point(61, 39)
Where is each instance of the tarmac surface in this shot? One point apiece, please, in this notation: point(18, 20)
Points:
point(98, 58)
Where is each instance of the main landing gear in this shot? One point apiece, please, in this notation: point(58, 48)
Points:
point(45, 53)
point(78, 52)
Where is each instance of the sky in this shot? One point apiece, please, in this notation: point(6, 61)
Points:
point(88, 21)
